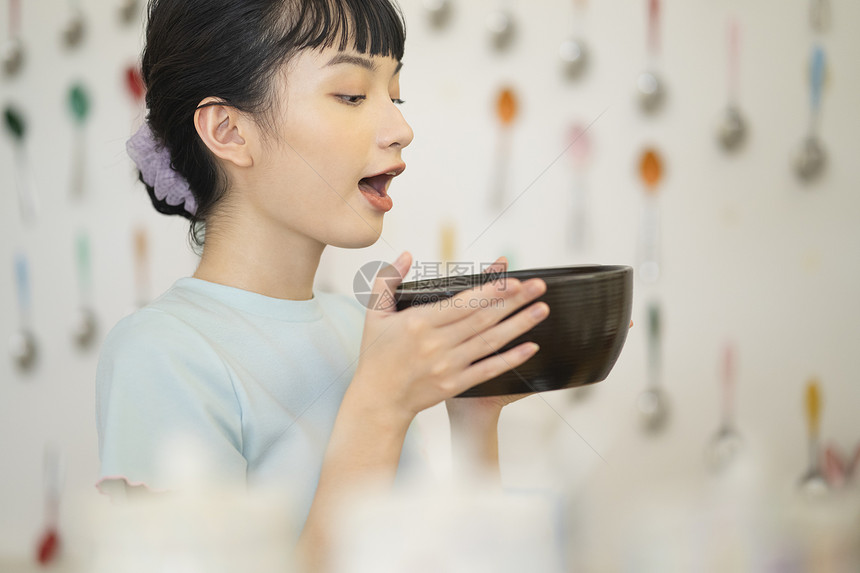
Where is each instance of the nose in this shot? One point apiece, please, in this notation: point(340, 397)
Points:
point(395, 131)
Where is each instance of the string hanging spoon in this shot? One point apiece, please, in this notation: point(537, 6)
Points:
point(85, 325)
point(128, 10)
point(16, 128)
point(651, 172)
point(811, 157)
point(438, 12)
point(501, 26)
point(75, 29)
point(13, 49)
point(813, 481)
point(727, 442)
point(574, 50)
point(79, 106)
point(506, 112)
point(650, 87)
point(22, 344)
point(731, 127)
point(49, 545)
point(653, 403)
point(580, 153)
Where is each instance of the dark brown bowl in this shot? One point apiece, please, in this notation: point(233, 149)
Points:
point(580, 340)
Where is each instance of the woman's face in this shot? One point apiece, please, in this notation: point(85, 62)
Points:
point(337, 143)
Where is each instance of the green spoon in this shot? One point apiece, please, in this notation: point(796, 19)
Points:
point(79, 106)
point(16, 127)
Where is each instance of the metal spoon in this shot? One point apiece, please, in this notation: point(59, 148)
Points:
point(813, 481)
point(22, 344)
point(653, 403)
point(501, 27)
point(128, 11)
point(727, 442)
point(85, 326)
point(438, 12)
point(13, 56)
point(13, 48)
point(650, 87)
point(75, 30)
point(731, 126)
point(811, 157)
point(574, 57)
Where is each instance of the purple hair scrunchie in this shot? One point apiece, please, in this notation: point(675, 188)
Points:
point(153, 161)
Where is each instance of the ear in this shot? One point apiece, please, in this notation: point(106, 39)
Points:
point(224, 130)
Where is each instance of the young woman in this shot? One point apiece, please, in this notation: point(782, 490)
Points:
point(274, 126)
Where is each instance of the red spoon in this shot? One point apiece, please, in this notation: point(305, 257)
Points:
point(49, 543)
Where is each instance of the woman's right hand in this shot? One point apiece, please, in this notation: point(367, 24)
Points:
point(416, 358)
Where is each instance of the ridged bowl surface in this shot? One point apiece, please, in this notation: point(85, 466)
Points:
point(580, 340)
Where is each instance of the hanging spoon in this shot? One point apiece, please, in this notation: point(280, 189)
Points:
point(438, 12)
point(49, 545)
point(13, 48)
point(506, 112)
point(731, 128)
point(85, 325)
point(653, 403)
point(810, 158)
point(16, 127)
point(128, 10)
point(727, 442)
point(141, 267)
point(819, 15)
point(22, 344)
point(649, 85)
point(813, 482)
point(79, 105)
point(75, 28)
point(651, 172)
point(501, 27)
point(574, 51)
point(580, 150)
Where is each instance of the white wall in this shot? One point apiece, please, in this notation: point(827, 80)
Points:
point(749, 253)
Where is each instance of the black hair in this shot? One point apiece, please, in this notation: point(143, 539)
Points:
point(232, 50)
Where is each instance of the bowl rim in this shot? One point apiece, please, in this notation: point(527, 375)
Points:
point(587, 271)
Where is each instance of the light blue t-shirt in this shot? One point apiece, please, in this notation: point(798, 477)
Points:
point(253, 382)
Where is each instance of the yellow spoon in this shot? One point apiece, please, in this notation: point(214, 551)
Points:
point(813, 481)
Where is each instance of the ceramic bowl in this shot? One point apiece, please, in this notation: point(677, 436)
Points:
point(580, 340)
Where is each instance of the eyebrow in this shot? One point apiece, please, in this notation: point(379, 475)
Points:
point(365, 63)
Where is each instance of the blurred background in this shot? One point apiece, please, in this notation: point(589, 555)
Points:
point(710, 145)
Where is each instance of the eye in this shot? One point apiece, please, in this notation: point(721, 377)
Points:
point(397, 101)
point(351, 99)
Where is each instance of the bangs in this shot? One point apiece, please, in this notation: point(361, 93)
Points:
point(371, 27)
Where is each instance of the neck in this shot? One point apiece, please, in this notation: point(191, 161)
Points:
point(274, 262)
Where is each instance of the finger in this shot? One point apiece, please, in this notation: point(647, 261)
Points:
point(499, 266)
point(388, 278)
point(495, 365)
point(631, 323)
point(490, 341)
point(491, 314)
point(467, 302)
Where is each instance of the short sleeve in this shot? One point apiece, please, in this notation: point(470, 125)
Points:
point(166, 409)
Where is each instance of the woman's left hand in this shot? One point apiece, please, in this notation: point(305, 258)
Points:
point(483, 407)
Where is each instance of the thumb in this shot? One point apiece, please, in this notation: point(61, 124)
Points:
point(389, 277)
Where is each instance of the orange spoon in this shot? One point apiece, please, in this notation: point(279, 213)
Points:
point(507, 108)
point(651, 170)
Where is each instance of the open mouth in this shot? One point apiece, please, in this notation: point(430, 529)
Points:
point(377, 184)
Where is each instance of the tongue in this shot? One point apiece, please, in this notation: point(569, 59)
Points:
point(375, 184)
